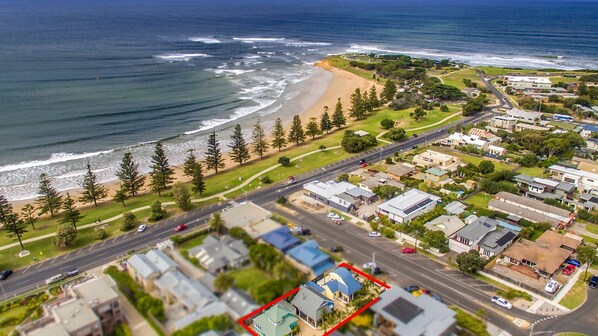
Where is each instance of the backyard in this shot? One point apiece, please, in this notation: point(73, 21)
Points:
point(249, 277)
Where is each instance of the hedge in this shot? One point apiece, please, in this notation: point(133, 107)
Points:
point(470, 323)
point(178, 239)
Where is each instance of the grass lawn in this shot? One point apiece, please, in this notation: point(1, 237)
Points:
point(593, 228)
point(562, 124)
point(193, 242)
point(249, 277)
point(343, 64)
point(576, 295)
point(531, 171)
point(479, 200)
point(355, 179)
point(467, 158)
point(557, 79)
point(456, 78)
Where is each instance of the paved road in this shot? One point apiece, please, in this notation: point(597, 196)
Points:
point(582, 320)
point(413, 269)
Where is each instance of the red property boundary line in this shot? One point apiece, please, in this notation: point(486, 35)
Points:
point(295, 290)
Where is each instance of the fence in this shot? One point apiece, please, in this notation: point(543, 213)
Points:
point(520, 284)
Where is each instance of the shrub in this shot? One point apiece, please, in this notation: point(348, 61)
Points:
point(395, 134)
point(281, 200)
point(157, 211)
point(266, 180)
point(389, 160)
point(387, 123)
point(284, 161)
point(101, 234)
point(511, 294)
point(129, 221)
point(322, 147)
point(470, 323)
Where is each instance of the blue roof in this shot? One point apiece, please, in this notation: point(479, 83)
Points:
point(309, 254)
point(281, 239)
point(315, 286)
point(509, 226)
point(351, 285)
point(591, 128)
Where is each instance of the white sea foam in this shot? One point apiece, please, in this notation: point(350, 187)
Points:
point(231, 72)
point(54, 158)
point(306, 44)
point(206, 40)
point(181, 57)
point(258, 39)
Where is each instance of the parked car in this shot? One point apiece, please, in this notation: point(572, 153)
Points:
point(569, 269)
point(55, 278)
point(363, 165)
point(593, 281)
point(296, 229)
point(291, 180)
point(573, 262)
point(501, 302)
point(141, 228)
point(336, 248)
point(333, 215)
point(437, 297)
point(408, 250)
point(374, 234)
point(305, 232)
point(72, 272)
point(414, 135)
point(376, 270)
point(360, 162)
point(369, 264)
point(551, 286)
point(412, 288)
point(180, 228)
point(5, 274)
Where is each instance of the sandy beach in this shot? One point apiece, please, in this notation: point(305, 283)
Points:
point(341, 85)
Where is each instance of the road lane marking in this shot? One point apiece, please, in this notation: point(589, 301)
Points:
point(53, 260)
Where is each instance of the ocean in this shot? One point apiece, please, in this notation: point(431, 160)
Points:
point(89, 80)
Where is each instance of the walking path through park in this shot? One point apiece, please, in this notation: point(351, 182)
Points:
point(220, 195)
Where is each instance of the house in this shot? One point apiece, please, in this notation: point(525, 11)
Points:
point(530, 127)
point(255, 220)
point(455, 208)
point(485, 135)
point(496, 151)
point(524, 116)
point(90, 308)
point(584, 181)
point(541, 188)
point(339, 284)
point(589, 201)
point(527, 82)
point(309, 254)
point(342, 195)
point(586, 165)
point(146, 268)
point(238, 302)
point(310, 305)
point(281, 239)
point(469, 237)
point(544, 256)
point(447, 224)
point(436, 159)
point(437, 178)
point(460, 139)
point(588, 130)
point(218, 254)
point(400, 313)
point(275, 321)
point(531, 209)
point(592, 145)
point(495, 242)
point(400, 170)
point(503, 122)
point(407, 206)
point(377, 180)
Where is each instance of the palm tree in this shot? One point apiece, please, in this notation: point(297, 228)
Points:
point(216, 222)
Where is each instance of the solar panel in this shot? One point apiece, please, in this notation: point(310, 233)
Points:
point(417, 206)
point(403, 310)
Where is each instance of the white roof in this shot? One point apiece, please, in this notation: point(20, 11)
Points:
point(447, 224)
point(151, 262)
point(408, 202)
point(573, 171)
point(328, 189)
point(520, 113)
point(539, 80)
point(468, 139)
point(437, 155)
point(496, 148)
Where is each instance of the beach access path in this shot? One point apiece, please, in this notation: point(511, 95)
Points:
point(220, 195)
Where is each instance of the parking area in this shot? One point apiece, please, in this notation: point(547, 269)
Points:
point(466, 279)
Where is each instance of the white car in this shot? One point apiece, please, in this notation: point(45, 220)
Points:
point(55, 278)
point(296, 228)
point(141, 228)
point(374, 234)
point(501, 302)
point(551, 286)
point(333, 216)
point(369, 265)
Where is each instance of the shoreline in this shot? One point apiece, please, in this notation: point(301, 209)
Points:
point(341, 84)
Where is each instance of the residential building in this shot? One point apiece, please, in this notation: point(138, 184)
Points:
point(218, 254)
point(469, 237)
point(398, 171)
point(460, 139)
point(541, 188)
point(91, 308)
point(531, 209)
point(503, 122)
point(447, 224)
point(275, 321)
point(524, 116)
point(407, 206)
point(342, 195)
point(339, 284)
point(588, 130)
point(146, 268)
point(455, 208)
point(437, 178)
point(400, 313)
point(281, 239)
point(485, 135)
point(430, 158)
point(588, 201)
point(527, 82)
point(377, 180)
point(238, 302)
point(530, 127)
point(584, 181)
point(495, 242)
point(496, 151)
point(310, 305)
point(592, 145)
point(544, 256)
point(309, 254)
point(587, 165)
point(255, 220)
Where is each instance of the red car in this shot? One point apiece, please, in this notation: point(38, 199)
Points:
point(180, 228)
point(568, 270)
point(408, 250)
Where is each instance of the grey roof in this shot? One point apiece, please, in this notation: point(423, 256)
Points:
point(216, 253)
point(447, 224)
point(455, 208)
point(478, 229)
point(421, 315)
point(497, 241)
point(542, 182)
point(244, 214)
point(309, 301)
point(517, 211)
point(399, 169)
point(239, 302)
point(153, 263)
point(208, 281)
point(358, 192)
